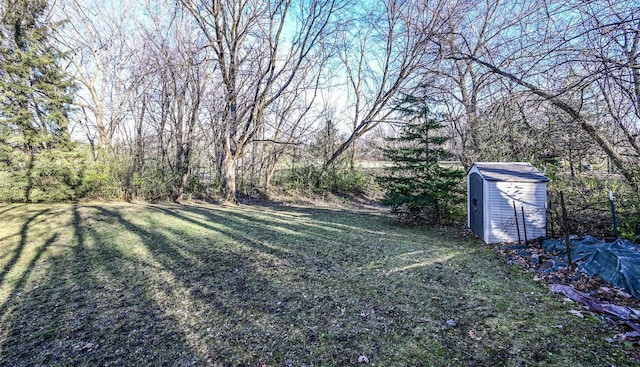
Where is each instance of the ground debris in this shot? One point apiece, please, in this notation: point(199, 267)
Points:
point(598, 296)
point(622, 312)
point(472, 334)
point(82, 346)
point(550, 268)
point(577, 313)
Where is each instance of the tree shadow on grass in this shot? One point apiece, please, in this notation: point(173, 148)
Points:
point(11, 207)
point(19, 285)
point(187, 285)
point(348, 293)
point(92, 307)
point(17, 253)
point(213, 295)
point(228, 303)
point(314, 237)
point(340, 306)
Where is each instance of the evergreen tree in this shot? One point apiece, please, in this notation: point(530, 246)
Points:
point(35, 94)
point(417, 187)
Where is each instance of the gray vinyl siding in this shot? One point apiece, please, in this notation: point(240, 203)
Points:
point(500, 221)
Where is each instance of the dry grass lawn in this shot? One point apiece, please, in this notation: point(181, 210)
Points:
point(203, 285)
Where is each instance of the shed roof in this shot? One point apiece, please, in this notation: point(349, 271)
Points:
point(510, 171)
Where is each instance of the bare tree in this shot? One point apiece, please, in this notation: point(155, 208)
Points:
point(611, 49)
point(290, 121)
point(381, 53)
point(259, 47)
point(463, 88)
point(97, 40)
point(565, 53)
point(176, 77)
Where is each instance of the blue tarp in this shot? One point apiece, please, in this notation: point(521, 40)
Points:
point(615, 262)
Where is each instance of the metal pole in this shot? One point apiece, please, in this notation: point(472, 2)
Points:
point(566, 230)
point(550, 218)
point(613, 214)
point(515, 211)
point(524, 225)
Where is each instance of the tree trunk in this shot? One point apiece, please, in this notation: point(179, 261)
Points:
point(183, 181)
point(229, 165)
point(103, 138)
point(267, 182)
point(571, 164)
point(30, 157)
point(184, 166)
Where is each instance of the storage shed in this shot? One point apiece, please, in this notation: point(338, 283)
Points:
point(492, 190)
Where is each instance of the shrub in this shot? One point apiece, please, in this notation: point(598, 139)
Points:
point(338, 180)
point(54, 175)
point(587, 202)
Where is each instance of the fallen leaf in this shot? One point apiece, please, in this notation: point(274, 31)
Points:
point(576, 313)
point(85, 346)
point(472, 335)
point(623, 294)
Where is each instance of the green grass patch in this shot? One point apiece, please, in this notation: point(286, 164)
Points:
point(183, 285)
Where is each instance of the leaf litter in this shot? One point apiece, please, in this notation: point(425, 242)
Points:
point(597, 297)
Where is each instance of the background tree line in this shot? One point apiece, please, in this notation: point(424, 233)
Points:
point(164, 100)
